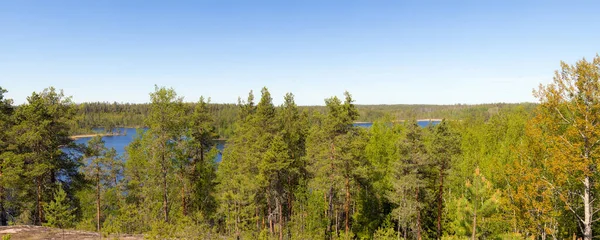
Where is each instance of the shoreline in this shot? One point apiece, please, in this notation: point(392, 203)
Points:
point(78, 136)
point(404, 120)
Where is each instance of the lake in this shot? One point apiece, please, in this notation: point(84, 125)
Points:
point(120, 142)
point(422, 123)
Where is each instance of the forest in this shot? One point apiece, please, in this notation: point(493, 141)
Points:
point(97, 116)
point(490, 171)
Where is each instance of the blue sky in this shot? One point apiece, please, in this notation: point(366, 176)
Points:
point(382, 52)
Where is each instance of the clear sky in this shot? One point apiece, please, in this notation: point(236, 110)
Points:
point(382, 52)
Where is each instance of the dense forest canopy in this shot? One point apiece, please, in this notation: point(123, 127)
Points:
point(490, 171)
point(110, 115)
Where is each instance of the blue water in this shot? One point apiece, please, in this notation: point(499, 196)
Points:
point(364, 124)
point(422, 123)
point(120, 142)
point(426, 123)
point(117, 142)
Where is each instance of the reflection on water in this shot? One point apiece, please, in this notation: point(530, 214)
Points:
point(422, 123)
point(119, 142)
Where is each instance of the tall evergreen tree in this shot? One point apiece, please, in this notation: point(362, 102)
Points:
point(236, 175)
point(166, 131)
point(292, 130)
point(381, 152)
point(41, 129)
point(9, 171)
point(445, 147)
point(331, 162)
point(202, 151)
point(142, 186)
point(97, 170)
point(409, 179)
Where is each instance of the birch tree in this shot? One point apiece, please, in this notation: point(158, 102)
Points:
point(569, 118)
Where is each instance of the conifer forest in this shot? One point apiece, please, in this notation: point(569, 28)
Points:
point(488, 171)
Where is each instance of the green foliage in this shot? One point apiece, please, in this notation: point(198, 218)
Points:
point(293, 172)
point(476, 207)
point(31, 156)
point(181, 228)
point(385, 234)
point(59, 212)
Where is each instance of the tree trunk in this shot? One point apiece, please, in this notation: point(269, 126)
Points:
point(3, 214)
point(474, 227)
point(330, 211)
point(183, 203)
point(201, 155)
point(441, 192)
point(280, 220)
point(165, 190)
point(39, 201)
point(544, 233)
point(98, 200)
point(237, 221)
point(290, 196)
point(196, 163)
point(347, 206)
point(405, 231)
point(257, 219)
point(270, 214)
point(587, 209)
point(398, 226)
point(337, 224)
point(418, 217)
point(330, 203)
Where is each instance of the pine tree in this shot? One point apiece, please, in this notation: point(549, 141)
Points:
point(201, 147)
point(292, 130)
point(142, 186)
point(480, 201)
point(166, 132)
point(9, 170)
point(97, 170)
point(236, 176)
point(272, 178)
point(409, 180)
point(381, 152)
point(59, 212)
point(331, 161)
point(444, 148)
point(41, 129)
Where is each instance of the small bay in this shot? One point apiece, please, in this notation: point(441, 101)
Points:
point(120, 141)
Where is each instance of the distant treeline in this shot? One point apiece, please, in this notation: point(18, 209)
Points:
point(110, 115)
point(494, 171)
